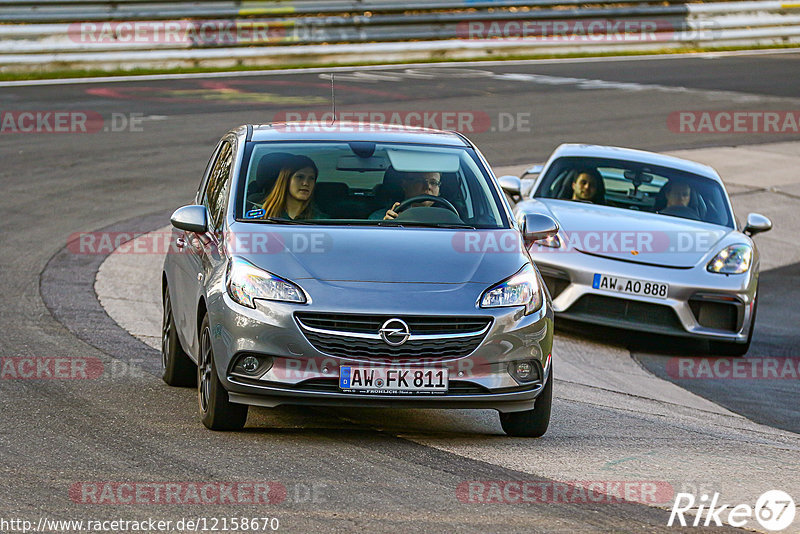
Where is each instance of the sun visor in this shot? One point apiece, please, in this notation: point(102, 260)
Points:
point(409, 160)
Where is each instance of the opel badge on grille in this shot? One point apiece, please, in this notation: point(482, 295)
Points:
point(394, 332)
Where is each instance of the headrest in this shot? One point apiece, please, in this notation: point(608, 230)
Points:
point(269, 167)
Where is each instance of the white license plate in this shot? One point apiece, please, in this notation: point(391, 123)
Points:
point(630, 286)
point(393, 380)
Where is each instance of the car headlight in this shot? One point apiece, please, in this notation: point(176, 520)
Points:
point(734, 259)
point(522, 289)
point(246, 282)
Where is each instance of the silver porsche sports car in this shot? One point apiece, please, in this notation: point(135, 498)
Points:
point(647, 242)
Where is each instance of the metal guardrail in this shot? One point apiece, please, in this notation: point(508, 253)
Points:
point(148, 9)
point(134, 33)
point(88, 10)
point(37, 11)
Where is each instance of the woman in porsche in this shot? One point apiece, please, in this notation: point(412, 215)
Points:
point(292, 196)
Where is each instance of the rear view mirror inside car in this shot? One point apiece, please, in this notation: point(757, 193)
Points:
point(638, 177)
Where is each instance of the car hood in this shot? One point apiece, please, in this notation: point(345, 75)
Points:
point(379, 254)
point(633, 236)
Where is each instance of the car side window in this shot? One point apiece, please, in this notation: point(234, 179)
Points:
point(218, 185)
point(201, 188)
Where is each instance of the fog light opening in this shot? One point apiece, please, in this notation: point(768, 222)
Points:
point(252, 365)
point(524, 371)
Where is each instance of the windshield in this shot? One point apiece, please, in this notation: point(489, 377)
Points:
point(636, 186)
point(366, 183)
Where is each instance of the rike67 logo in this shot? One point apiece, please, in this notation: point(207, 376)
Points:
point(774, 511)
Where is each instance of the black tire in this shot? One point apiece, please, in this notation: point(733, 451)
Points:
point(727, 348)
point(216, 411)
point(531, 423)
point(179, 369)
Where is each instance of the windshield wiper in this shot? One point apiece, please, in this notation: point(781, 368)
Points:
point(280, 220)
point(438, 225)
point(454, 225)
point(351, 222)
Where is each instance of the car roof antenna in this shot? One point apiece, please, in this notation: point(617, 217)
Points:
point(333, 100)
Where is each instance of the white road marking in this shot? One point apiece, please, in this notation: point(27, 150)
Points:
point(543, 79)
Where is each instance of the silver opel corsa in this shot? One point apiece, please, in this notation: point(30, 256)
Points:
point(647, 242)
point(356, 265)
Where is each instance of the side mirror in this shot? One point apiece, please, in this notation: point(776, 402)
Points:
point(534, 170)
point(757, 223)
point(536, 227)
point(191, 219)
point(511, 185)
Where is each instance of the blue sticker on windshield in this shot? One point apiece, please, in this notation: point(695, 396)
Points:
point(255, 214)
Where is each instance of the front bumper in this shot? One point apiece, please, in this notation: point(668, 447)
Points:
point(301, 374)
point(261, 395)
point(699, 304)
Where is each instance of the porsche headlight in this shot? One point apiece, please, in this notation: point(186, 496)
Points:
point(734, 259)
point(246, 282)
point(522, 289)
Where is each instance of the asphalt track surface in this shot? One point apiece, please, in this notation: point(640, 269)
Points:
point(127, 426)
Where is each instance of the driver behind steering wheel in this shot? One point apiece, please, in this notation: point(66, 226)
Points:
point(413, 184)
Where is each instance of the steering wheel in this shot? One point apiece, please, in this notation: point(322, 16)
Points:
point(423, 198)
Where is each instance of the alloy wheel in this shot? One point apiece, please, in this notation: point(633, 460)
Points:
point(204, 390)
point(166, 328)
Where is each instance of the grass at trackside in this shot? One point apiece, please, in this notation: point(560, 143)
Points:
point(66, 74)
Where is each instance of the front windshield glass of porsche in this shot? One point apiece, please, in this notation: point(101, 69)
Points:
point(365, 183)
point(636, 186)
